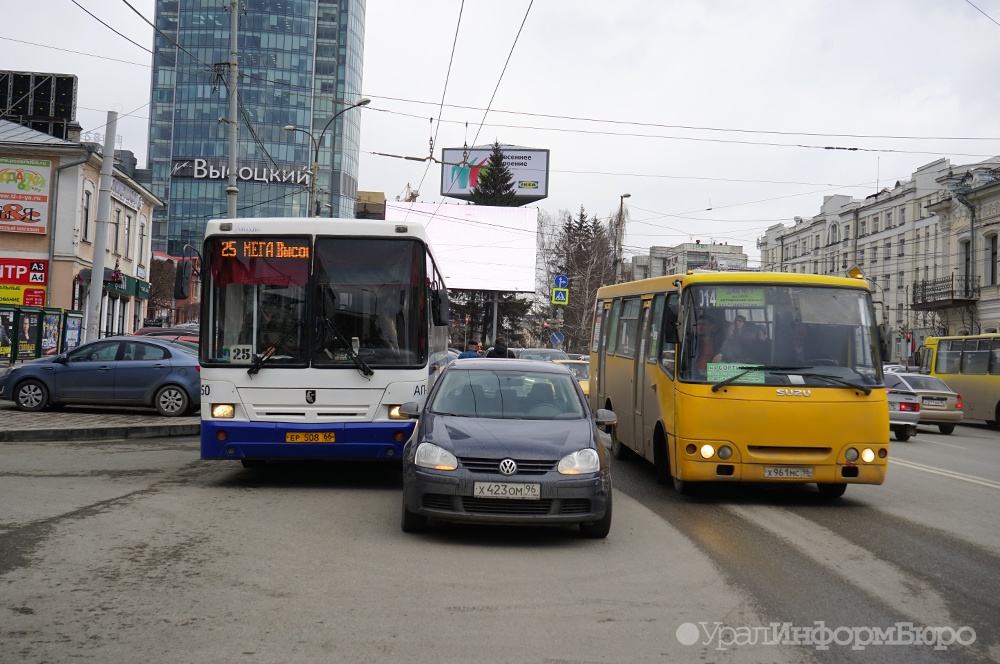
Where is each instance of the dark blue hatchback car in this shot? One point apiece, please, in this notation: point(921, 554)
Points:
point(115, 371)
point(507, 441)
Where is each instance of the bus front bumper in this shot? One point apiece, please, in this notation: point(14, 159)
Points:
point(226, 439)
point(718, 471)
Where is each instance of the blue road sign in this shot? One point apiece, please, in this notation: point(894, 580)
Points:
point(562, 281)
point(560, 296)
point(556, 338)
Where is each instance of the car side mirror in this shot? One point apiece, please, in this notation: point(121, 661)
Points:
point(410, 409)
point(605, 417)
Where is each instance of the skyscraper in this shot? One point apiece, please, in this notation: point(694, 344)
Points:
point(299, 64)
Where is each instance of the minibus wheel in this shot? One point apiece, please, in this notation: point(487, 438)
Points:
point(831, 490)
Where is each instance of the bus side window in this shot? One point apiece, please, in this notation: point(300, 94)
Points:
point(995, 357)
point(975, 356)
point(949, 355)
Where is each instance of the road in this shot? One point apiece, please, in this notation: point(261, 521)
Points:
point(124, 551)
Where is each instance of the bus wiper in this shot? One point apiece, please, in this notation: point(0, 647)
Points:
point(359, 364)
point(747, 368)
point(258, 360)
point(833, 379)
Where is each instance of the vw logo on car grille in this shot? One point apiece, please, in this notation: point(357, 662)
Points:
point(508, 467)
point(310, 396)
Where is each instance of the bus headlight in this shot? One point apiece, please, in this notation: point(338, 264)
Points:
point(867, 455)
point(582, 461)
point(430, 455)
point(707, 451)
point(394, 413)
point(223, 411)
point(852, 455)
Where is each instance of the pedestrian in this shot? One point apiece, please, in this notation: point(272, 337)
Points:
point(473, 349)
point(500, 349)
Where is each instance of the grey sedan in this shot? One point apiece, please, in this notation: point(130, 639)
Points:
point(115, 371)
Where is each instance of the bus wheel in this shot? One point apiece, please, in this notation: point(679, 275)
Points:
point(902, 433)
point(946, 429)
point(831, 490)
point(253, 463)
point(661, 462)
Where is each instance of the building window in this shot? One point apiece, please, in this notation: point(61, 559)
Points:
point(991, 269)
point(114, 229)
point(128, 236)
point(902, 215)
point(900, 281)
point(834, 234)
point(888, 281)
point(862, 228)
point(888, 218)
point(818, 242)
point(861, 256)
point(85, 234)
point(874, 223)
point(142, 245)
point(874, 254)
point(902, 247)
point(888, 250)
point(847, 232)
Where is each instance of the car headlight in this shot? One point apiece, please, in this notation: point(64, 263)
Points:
point(430, 455)
point(581, 461)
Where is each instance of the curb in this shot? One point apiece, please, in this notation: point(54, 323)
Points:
point(151, 431)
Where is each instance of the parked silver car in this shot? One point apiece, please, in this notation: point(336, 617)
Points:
point(939, 404)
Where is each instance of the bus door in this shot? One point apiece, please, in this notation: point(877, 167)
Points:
point(639, 390)
point(599, 345)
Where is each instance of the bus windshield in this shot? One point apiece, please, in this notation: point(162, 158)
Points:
point(341, 302)
point(779, 334)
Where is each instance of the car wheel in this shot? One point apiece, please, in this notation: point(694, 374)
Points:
point(171, 401)
point(412, 523)
point(31, 395)
point(831, 490)
point(902, 433)
point(946, 429)
point(598, 529)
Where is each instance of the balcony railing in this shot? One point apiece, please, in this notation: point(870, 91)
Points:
point(953, 291)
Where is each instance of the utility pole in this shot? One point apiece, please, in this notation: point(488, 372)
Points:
point(234, 78)
point(620, 236)
point(96, 295)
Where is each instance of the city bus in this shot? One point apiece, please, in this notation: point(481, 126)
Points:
point(313, 333)
point(744, 377)
point(970, 365)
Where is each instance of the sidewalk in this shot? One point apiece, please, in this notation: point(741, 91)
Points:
point(91, 423)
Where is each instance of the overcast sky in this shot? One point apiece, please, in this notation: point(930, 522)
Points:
point(713, 115)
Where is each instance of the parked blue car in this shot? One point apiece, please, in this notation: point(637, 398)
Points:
point(114, 371)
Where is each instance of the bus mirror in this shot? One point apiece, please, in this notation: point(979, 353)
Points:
point(883, 341)
point(182, 280)
point(440, 309)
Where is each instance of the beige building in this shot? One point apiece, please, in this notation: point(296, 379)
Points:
point(49, 191)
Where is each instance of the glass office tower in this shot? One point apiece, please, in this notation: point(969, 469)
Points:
point(299, 64)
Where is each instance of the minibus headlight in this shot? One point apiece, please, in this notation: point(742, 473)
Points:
point(852, 455)
point(725, 452)
point(430, 455)
point(707, 451)
point(867, 455)
point(223, 411)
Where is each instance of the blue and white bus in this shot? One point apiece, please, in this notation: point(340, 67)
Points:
point(313, 333)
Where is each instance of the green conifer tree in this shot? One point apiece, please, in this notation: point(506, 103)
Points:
point(495, 185)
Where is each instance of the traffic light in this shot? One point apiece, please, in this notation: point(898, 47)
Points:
point(908, 336)
point(545, 323)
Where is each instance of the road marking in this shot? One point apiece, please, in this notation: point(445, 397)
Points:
point(883, 580)
point(947, 473)
point(957, 447)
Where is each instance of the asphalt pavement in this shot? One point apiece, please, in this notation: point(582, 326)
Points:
point(91, 423)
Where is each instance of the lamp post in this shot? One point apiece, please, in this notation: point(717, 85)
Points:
point(316, 143)
point(619, 235)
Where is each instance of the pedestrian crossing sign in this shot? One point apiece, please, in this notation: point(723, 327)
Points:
point(560, 296)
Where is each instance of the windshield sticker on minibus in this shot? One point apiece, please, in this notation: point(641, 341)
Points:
point(718, 371)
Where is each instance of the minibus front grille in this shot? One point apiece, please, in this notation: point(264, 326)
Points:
point(778, 454)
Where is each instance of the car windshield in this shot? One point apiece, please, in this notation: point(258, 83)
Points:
point(580, 370)
point(917, 382)
point(498, 394)
point(543, 354)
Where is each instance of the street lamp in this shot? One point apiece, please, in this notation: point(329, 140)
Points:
point(619, 235)
point(316, 143)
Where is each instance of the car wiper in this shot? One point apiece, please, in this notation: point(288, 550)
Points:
point(747, 368)
point(359, 364)
point(833, 379)
point(258, 360)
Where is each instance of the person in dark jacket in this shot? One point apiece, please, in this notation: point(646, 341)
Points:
point(500, 349)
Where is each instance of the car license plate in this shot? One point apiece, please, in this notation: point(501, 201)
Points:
point(516, 490)
point(934, 402)
point(310, 437)
point(793, 473)
point(893, 405)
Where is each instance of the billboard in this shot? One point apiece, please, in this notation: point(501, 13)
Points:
point(24, 194)
point(23, 281)
point(528, 167)
point(477, 247)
